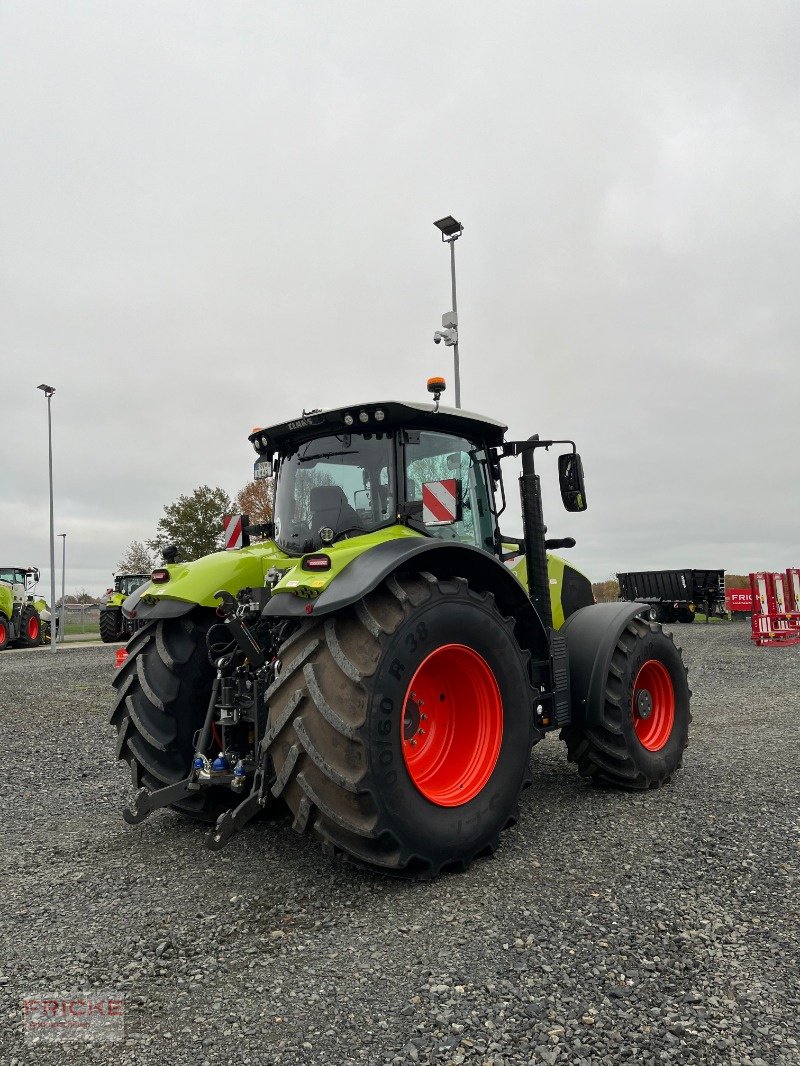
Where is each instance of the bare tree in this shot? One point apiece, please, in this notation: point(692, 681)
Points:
point(256, 500)
point(606, 591)
point(136, 559)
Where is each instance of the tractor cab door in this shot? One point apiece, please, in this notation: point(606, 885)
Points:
point(447, 488)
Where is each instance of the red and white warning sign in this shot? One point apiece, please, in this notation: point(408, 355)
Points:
point(233, 531)
point(440, 502)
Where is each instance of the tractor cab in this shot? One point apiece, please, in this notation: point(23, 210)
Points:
point(356, 470)
point(22, 578)
point(433, 471)
point(129, 583)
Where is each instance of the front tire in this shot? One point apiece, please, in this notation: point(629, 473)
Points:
point(30, 628)
point(162, 693)
point(110, 623)
point(643, 726)
point(356, 689)
point(5, 632)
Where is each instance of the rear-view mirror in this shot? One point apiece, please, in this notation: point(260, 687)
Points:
point(570, 480)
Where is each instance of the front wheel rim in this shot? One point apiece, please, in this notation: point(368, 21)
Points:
point(452, 725)
point(653, 705)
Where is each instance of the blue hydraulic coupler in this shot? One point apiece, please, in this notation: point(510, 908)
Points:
point(220, 764)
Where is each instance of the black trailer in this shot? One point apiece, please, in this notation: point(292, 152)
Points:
point(676, 595)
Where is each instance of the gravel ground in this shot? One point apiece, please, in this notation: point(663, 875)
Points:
point(608, 928)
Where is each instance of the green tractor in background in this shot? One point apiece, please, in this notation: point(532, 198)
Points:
point(384, 662)
point(114, 626)
point(24, 621)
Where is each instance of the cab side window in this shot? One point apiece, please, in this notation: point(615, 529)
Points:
point(448, 475)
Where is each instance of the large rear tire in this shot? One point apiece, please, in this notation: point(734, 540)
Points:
point(400, 729)
point(110, 624)
point(639, 741)
point(30, 627)
point(5, 632)
point(162, 693)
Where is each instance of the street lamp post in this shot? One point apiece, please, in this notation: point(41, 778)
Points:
point(451, 230)
point(48, 390)
point(62, 627)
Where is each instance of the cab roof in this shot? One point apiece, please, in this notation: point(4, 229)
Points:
point(396, 415)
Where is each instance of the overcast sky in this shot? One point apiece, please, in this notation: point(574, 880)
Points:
point(215, 214)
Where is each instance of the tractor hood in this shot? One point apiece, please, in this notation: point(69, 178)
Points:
point(196, 583)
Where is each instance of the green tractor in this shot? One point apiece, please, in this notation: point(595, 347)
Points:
point(24, 621)
point(377, 665)
point(114, 626)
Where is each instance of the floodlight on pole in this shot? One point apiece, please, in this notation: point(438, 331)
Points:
point(451, 229)
point(62, 626)
point(48, 390)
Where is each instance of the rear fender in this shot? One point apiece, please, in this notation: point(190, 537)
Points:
point(442, 559)
point(591, 634)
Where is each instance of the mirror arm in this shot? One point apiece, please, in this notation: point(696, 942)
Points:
point(517, 447)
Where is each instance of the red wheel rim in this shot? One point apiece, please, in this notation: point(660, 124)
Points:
point(33, 627)
point(452, 725)
point(653, 705)
point(3, 632)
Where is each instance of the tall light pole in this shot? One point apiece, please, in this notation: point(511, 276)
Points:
point(48, 390)
point(62, 627)
point(451, 230)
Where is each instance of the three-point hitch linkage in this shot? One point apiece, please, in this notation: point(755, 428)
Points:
point(228, 769)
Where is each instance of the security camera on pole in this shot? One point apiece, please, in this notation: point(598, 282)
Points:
point(451, 230)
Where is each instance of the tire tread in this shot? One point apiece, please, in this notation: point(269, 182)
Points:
point(319, 706)
point(596, 749)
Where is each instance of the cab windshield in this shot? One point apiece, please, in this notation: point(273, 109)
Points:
point(342, 484)
point(129, 584)
point(14, 576)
